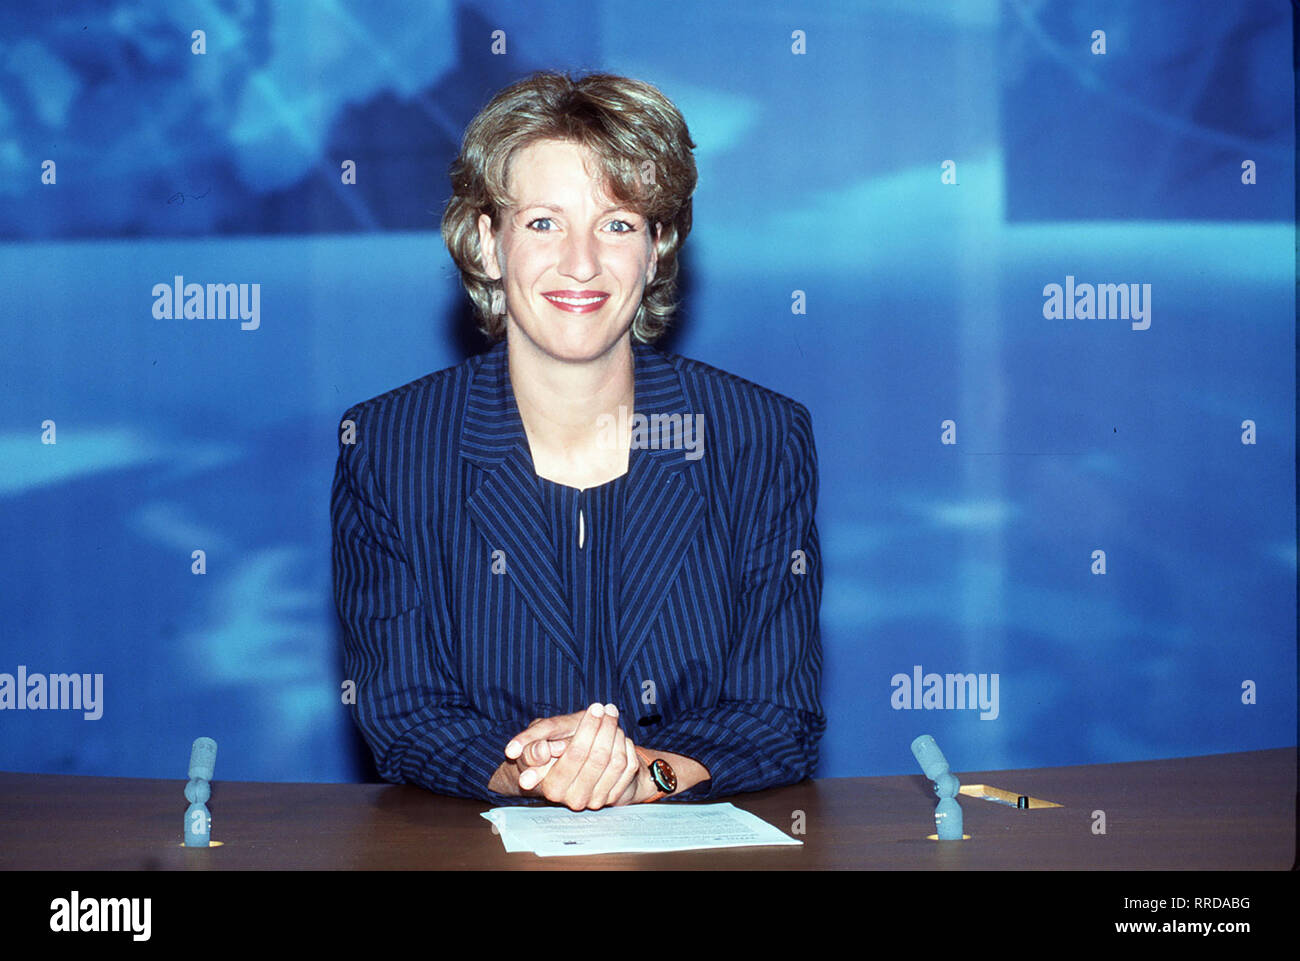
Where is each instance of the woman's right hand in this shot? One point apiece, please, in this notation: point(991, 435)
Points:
point(536, 756)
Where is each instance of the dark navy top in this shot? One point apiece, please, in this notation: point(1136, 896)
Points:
point(586, 528)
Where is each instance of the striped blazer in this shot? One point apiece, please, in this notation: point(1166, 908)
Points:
point(456, 629)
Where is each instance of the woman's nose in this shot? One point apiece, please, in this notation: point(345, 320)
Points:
point(579, 260)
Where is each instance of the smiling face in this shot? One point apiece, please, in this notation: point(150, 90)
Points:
point(573, 263)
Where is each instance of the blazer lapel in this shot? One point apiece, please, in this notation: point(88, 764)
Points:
point(662, 513)
point(505, 505)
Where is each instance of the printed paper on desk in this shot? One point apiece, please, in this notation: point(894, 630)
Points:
point(642, 828)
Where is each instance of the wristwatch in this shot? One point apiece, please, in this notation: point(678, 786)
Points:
point(661, 773)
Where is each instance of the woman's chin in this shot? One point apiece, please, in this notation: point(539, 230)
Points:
point(580, 353)
point(576, 347)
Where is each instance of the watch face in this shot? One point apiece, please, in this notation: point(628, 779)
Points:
point(663, 776)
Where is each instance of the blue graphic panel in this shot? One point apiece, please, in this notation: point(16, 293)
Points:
point(878, 224)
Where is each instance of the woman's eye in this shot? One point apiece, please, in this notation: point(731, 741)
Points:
point(619, 226)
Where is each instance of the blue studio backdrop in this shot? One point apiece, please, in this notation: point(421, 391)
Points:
point(1031, 267)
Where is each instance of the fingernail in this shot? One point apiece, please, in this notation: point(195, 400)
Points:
point(513, 749)
point(527, 780)
point(611, 710)
point(596, 710)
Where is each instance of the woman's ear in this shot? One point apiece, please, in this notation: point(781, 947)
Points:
point(487, 247)
point(654, 254)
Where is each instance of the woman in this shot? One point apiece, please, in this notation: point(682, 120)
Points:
point(574, 568)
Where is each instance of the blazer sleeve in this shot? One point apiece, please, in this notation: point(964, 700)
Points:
point(765, 729)
point(410, 708)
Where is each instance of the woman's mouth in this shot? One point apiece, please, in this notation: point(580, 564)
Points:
point(577, 301)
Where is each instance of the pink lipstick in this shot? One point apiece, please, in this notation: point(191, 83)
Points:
point(577, 301)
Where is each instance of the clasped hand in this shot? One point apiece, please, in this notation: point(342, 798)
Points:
point(581, 760)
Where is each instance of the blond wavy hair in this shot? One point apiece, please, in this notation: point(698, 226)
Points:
point(643, 151)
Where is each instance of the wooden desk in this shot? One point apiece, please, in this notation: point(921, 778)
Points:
point(1224, 811)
